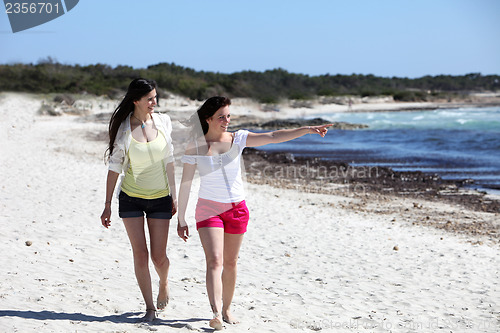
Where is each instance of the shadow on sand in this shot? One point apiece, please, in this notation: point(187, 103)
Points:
point(128, 318)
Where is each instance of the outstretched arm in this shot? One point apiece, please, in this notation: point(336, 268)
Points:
point(261, 139)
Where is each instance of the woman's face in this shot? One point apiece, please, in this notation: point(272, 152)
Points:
point(220, 120)
point(147, 103)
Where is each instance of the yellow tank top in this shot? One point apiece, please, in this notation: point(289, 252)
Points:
point(146, 176)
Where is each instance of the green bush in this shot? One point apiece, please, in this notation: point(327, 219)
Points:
point(404, 96)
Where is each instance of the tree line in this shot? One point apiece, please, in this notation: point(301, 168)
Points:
point(270, 86)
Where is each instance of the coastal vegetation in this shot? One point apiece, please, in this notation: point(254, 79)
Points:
point(50, 76)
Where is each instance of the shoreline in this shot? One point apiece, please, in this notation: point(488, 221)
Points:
point(182, 107)
point(317, 107)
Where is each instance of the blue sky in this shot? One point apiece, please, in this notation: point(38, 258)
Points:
point(384, 37)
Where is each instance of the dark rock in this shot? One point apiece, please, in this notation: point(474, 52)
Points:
point(293, 123)
point(64, 98)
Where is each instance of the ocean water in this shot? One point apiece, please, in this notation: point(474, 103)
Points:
point(453, 143)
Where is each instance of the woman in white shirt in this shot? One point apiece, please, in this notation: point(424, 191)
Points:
point(221, 213)
point(140, 146)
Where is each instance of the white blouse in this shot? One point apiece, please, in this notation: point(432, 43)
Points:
point(220, 175)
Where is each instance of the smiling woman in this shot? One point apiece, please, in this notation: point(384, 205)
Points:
point(221, 212)
point(140, 146)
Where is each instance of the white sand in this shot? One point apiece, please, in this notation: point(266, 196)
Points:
point(308, 263)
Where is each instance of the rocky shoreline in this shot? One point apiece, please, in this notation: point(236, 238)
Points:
point(324, 176)
point(244, 122)
point(376, 187)
point(381, 179)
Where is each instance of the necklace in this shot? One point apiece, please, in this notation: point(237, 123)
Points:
point(143, 123)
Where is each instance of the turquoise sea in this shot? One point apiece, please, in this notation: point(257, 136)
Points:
point(453, 143)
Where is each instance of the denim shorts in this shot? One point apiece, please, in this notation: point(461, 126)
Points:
point(160, 208)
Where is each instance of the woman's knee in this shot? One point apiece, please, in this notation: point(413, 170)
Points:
point(230, 264)
point(214, 262)
point(159, 259)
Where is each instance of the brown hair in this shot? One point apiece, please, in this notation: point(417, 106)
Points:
point(207, 110)
point(137, 89)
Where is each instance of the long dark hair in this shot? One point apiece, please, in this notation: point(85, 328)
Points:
point(137, 89)
point(206, 111)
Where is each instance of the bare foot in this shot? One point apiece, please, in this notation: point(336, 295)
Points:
point(163, 297)
point(149, 316)
point(228, 318)
point(216, 323)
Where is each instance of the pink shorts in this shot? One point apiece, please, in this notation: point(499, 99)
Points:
point(233, 218)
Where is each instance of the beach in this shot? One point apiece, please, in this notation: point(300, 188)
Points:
point(330, 259)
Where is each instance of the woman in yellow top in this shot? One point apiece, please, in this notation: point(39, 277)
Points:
point(140, 146)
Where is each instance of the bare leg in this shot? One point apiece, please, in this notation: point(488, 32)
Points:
point(232, 244)
point(158, 236)
point(135, 231)
point(212, 240)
